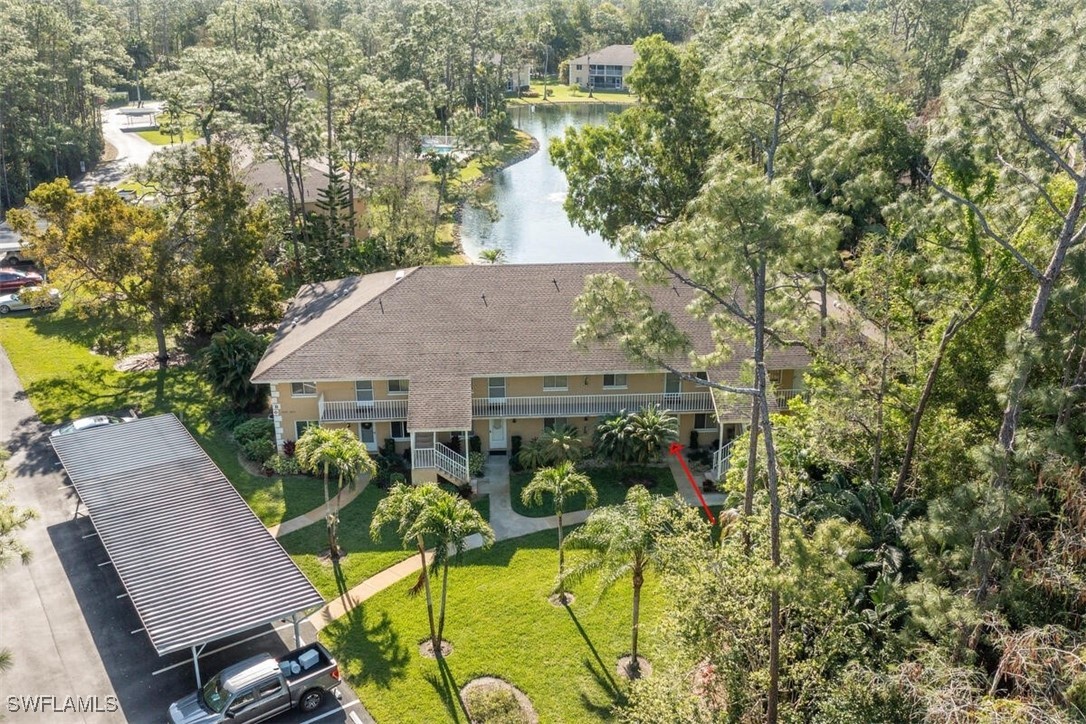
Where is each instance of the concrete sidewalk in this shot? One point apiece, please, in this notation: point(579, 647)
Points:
point(317, 514)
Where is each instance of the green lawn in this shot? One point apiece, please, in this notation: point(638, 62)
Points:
point(364, 558)
point(163, 139)
point(563, 94)
point(609, 487)
point(64, 380)
point(500, 624)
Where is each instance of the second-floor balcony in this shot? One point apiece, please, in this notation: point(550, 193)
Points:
point(361, 410)
point(588, 405)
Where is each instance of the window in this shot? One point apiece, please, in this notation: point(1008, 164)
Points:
point(363, 392)
point(399, 430)
point(496, 387)
point(269, 689)
point(704, 421)
point(578, 66)
point(301, 425)
point(614, 381)
point(703, 376)
point(397, 387)
point(303, 389)
point(555, 382)
point(243, 700)
point(549, 423)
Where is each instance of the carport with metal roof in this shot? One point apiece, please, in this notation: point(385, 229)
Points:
point(195, 561)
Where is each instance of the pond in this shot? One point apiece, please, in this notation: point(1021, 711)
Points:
point(533, 227)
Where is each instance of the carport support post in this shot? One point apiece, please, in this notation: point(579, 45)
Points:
point(297, 633)
point(196, 651)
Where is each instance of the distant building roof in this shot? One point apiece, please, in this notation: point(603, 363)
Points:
point(266, 178)
point(611, 55)
point(8, 234)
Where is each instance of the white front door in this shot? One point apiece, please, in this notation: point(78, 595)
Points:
point(367, 435)
point(497, 433)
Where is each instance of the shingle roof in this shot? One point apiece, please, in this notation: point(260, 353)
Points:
point(611, 55)
point(454, 323)
point(266, 178)
point(196, 563)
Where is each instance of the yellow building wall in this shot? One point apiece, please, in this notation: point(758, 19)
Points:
point(637, 383)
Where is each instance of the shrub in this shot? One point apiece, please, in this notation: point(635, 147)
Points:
point(389, 448)
point(288, 448)
point(494, 706)
point(396, 478)
point(536, 454)
point(259, 450)
point(228, 363)
point(693, 440)
point(259, 428)
point(475, 444)
point(282, 464)
point(476, 463)
point(514, 454)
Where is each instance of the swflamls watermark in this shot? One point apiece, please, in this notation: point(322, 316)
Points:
point(50, 704)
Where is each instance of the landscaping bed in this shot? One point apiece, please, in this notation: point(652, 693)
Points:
point(610, 482)
point(500, 624)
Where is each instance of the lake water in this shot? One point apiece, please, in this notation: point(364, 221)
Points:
point(533, 228)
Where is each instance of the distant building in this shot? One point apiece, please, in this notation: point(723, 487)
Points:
point(604, 69)
point(266, 179)
point(515, 77)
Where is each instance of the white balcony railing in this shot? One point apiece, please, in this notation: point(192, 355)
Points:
point(359, 411)
point(447, 461)
point(585, 405)
point(783, 397)
point(722, 459)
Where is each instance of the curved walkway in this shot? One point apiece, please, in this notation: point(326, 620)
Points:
point(316, 515)
point(506, 523)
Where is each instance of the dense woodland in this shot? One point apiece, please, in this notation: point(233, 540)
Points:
point(907, 545)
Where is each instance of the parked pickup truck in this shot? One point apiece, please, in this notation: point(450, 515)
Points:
point(261, 687)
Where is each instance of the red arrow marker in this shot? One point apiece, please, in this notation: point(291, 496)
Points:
point(677, 450)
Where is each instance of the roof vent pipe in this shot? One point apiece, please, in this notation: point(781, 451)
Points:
point(399, 275)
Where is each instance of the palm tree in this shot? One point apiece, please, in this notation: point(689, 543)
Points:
point(561, 482)
point(403, 506)
point(450, 520)
point(492, 256)
point(611, 439)
point(623, 540)
point(320, 449)
point(563, 443)
point(350, 459)
point(534, 454)
point(650, 429)
point(426, 512)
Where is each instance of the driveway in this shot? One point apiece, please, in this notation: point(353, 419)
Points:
point(132, 150)
point(70, 629)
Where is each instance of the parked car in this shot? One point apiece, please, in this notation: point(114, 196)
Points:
point(260, 687)
point(86, 423)
point(29, 298)
point(12, 280)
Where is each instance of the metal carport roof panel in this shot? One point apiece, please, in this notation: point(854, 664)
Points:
point(196, 562)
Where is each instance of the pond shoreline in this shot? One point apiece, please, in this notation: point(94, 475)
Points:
point(458, 214)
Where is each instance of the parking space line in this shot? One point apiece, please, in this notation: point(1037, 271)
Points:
point(354, 717)
point(188, 662)
point(342, 708)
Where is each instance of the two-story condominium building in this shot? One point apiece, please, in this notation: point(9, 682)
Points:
point(424, 354)
point(603, 69)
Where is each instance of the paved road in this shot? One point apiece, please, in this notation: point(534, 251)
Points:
point(132, 150)
point(65, 618)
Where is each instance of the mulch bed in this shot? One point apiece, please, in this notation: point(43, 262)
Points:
point(493, 683)
point(623, 667)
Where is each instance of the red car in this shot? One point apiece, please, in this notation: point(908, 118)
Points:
point(12, 280)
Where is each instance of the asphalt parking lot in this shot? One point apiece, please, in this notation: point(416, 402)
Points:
point(73, 635)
